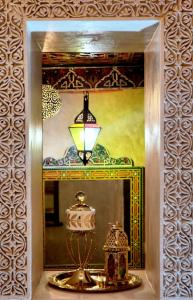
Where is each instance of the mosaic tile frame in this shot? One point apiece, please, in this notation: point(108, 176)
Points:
point(114, 172)
point(177, 226)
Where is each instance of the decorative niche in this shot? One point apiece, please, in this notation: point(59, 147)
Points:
point(114, 185)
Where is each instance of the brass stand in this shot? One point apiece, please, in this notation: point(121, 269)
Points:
point(81, 279)
point(80, 247)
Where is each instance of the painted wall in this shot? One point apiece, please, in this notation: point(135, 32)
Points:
point(120, 114)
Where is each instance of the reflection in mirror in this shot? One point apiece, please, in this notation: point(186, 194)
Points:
point(111, 200)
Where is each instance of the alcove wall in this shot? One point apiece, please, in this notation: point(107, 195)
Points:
point(153, 153)
point(34, 162)
point(154, 269)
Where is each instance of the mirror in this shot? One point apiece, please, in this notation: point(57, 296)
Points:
point(117, 195)
point(109, 198)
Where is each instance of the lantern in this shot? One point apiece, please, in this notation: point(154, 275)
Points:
point(116, 255)
point(85, 131)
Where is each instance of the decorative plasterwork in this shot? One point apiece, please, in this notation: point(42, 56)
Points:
point(51, 102)
point(93, 78)
point(177, 218)
point(176, 255)
point(72, 81)
point(114, 80)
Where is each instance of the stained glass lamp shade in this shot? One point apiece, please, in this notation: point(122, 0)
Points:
point(85, 131)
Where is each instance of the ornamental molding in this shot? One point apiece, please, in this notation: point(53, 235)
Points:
point(115, 80)
point(98, 8)
point(100, 157)
point(93, 78)
point(72, 81)
point(176, 259)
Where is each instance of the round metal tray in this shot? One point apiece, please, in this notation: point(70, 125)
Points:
point(59, 281)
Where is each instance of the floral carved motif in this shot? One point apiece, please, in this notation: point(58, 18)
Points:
point(186, 5)
point(177, 222)
point(97, 8)
point(13, 217)
point(178, 226)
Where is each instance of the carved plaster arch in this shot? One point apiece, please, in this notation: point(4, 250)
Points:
point(176, 219)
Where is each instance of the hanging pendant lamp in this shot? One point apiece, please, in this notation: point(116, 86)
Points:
point(85, 131)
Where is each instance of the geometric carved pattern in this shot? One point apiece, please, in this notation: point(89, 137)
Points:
point(178, 226)
point(94, 78)
point(177, 206)
point(72, 81)
point(114, 79)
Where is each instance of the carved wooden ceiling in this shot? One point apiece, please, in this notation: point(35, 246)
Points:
point(61, 59)
point(93, 48)
point(83, 70)
point(99, 60)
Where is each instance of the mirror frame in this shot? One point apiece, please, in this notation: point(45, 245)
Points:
point(116, 172)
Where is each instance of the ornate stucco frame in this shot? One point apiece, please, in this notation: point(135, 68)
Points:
point(15, 216)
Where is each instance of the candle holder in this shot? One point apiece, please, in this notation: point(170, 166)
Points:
point(80, 222)
point(116, 256)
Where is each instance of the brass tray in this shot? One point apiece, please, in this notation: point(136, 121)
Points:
point(59, 281)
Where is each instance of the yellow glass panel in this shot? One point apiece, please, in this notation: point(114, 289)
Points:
point(77, 132)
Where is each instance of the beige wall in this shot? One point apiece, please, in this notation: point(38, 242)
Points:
point(120, 113)
point(34, 161)
point(153, 160)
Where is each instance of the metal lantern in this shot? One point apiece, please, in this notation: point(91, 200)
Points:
point(85, 131)
point(116, 255)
